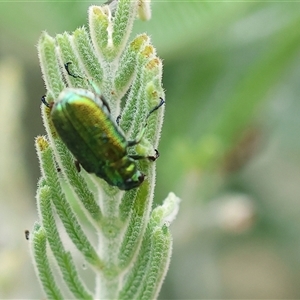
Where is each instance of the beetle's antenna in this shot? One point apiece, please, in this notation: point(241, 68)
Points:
point(162, 101)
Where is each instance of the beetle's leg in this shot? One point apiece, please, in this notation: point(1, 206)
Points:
point(27, 234)
point(69, 72)
point(150, 157)
point(105, 103)
point(139, 138)
point(77, 165)
point(92, 84)
point(155, 157)
point(162, 101)
point(118, 120)
point(44, 101)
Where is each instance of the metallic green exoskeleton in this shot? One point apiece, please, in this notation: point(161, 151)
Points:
point(82, 120)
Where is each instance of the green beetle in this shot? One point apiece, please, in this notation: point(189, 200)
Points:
point(82, 120)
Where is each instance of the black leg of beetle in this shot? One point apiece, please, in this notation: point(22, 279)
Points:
point(118, 120)
point(69, 72)
point(152, 158)
point(105, 103)
point(135, 142)
point(77, 165)
point(43, 99)
point(162, 101)
point(27, 233)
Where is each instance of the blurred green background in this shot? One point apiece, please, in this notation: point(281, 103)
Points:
point(229, 149)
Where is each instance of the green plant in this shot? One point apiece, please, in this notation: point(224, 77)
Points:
point(130, 258)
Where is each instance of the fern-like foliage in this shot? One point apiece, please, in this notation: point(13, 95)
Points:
point(133, 244)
